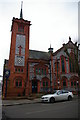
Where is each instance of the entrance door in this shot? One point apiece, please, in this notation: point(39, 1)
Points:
point(34, 86)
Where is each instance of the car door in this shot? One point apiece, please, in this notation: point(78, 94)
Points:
point(59, 96)
point(65, 95)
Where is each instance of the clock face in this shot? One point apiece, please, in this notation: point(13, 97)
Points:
point(19, 60)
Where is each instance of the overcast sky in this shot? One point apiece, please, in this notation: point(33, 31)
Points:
point(53, 21)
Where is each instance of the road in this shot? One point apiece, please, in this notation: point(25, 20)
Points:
point(65, 109)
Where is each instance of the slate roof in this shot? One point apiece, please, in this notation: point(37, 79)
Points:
point(34, 54)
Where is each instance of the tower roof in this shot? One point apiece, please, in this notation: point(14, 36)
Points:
point(21, 14)
point(50, 49)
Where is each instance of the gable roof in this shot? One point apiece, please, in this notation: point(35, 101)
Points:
point(70, 44)
point(34, 54)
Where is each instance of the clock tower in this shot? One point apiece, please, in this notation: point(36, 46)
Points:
point(18, 58)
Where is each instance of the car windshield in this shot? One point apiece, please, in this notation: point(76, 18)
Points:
point(54, 91)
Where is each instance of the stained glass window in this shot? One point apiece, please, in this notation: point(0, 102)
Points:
point(64, 83)
point(71, 83)
point(39, 70)
point(16, 83)
point(74, 83)
point(42, 71)
point(63, 65)
point(46, 84)
point(20, 83)
point(70, 66)
point(36, 71)
point(43, 83)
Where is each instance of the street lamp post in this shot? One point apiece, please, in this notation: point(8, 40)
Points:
point(58, 84)
point(78, 87)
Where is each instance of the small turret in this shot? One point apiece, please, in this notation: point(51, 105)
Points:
point(50, 49)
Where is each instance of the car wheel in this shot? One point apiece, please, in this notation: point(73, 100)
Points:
point(69, 98)
point(52, 100)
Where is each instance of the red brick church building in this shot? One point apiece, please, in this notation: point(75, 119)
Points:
point(31, 71)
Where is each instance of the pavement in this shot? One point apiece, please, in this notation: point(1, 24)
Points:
point(24, 101)
point(19, 102)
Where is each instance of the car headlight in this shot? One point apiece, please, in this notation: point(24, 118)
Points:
point(45, 97)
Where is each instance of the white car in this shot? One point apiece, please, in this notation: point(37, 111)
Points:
point(58, 95)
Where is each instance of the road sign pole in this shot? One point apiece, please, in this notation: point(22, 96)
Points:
point(7, 74)
point(6, 88)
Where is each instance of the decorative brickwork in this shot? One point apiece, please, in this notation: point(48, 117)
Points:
point(33, 71)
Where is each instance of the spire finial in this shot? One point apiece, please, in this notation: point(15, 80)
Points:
point(21, 15)
point(50, 45)
point(69, 38)
point(50, 49)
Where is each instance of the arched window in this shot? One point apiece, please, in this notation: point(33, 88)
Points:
point(36, 70)
point(74, 83)
point(42, 71)
point(71, 83)
point(72, 62)
point(70, 66)
point(57, 67)
point(46, 83)
point(18, 82)
point(43, 83)
point(74, 80)
point(64, 82)
point(39, 70)
point(63, 64)
point(20, 28)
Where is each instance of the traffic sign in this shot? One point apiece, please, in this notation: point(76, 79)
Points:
point(7, 73)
